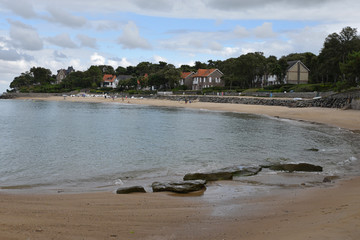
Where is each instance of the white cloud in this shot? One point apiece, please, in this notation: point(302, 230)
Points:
point(13, 55)
point(87, 41)
point(115, 62)
point(62, 40)
point(131, 39)
point(241, 32)
point(155, 5)
point(264, 31)
point(59, 15)
point(157, 59)
point(215, 46)
point(22, 8)
point(59, 55)
point(24, 36)
point(97, 59)
point(10, 69)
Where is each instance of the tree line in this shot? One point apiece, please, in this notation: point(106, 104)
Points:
point(337, 63)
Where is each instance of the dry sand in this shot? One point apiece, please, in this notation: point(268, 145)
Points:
point(323, 212)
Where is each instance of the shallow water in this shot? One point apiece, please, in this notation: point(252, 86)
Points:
point(77, 147)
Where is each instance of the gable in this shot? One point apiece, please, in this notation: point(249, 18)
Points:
point(207, 72)
point(292, 66)
point(109, 78)
point(186, 74)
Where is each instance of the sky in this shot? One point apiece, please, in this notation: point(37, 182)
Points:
point(57, 34)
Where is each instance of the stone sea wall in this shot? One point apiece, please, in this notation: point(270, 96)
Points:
point(341, 100)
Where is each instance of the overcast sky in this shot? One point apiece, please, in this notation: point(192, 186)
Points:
point(57, 34)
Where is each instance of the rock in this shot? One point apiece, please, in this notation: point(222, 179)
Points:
point(224, 173)
point(313, 149)
point(134, 189)
point(300, 167)
point(330, 178)
point(179, 187)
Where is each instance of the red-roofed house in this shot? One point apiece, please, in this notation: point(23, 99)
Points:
point(109, 81)
point(205, 78)
point(187, 79)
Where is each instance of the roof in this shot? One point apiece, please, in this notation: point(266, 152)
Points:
point(186, 74)
point(124, 77)
point(205, 72)
point(292, 63)
point(109, 78)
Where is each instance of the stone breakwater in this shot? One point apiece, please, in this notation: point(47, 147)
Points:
point(342, 100)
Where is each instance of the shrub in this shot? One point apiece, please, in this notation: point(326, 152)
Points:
point(251, 90)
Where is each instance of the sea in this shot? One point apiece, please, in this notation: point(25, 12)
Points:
point(74, 147)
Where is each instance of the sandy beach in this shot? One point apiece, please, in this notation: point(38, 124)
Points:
point(328, 211)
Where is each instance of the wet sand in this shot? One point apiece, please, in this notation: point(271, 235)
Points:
point(329, 211)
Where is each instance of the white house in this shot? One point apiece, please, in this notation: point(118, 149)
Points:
point(109, 81)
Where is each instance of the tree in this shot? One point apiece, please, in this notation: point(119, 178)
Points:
point(200, 65)
point(41, 75)
point(120, 71)
point(156, 79)
point(24, 80)
point(93, 77)
point(186, 68)
point(107, 69)
point(352, 68)
point(171, 75)
point(335, 51)
point(143, 68)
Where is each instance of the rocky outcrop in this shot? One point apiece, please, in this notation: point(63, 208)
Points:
point(223, 174)
point(300, 167)
point(179, 187)
point(134, 189)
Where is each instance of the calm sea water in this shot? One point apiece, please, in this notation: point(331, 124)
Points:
point(76, 147)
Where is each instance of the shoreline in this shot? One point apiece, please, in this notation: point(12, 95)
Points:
point(347, 119)
point(323, 212)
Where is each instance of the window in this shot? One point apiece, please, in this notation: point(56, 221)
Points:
point(209, 79)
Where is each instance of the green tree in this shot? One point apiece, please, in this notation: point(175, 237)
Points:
point(335, 51)
point(200, 65)
point(120, 71)
point(156, 79)
point(24, 80)
point(351, 68)
point(41, 75)
point(107, 69)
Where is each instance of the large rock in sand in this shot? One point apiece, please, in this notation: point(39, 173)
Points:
point(300, 167)
point(224, 173)
point(179, 187)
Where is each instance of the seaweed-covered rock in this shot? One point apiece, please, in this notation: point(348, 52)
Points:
point(134, 189)
point(330, 178)
point(179, 187)
point(300, 167)
point(224, 173)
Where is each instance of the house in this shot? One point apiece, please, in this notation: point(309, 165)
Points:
point(109, 81)
point(186, 79)
point(297, 73)
point(63, 73)
point(205, 78)
point(265, 80)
